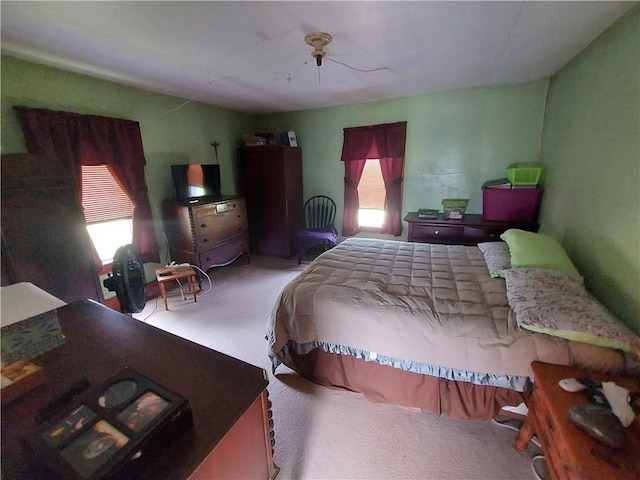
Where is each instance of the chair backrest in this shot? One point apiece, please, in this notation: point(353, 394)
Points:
point(319, 212)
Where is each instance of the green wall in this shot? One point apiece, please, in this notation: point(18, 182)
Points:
point(171, 133)
point(455, 141)
point(591, 150)
point(589, 145)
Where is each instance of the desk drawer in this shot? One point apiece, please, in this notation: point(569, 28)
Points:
point(482, 234)
point(437, 233)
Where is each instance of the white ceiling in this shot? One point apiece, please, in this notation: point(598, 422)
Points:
point(252, 57)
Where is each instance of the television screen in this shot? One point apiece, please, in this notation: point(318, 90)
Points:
point(196, 182)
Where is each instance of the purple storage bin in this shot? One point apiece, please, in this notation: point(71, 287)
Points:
point(511, 204)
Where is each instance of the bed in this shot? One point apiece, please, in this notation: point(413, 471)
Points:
point(421, 325)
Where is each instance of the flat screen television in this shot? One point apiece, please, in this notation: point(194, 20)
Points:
point(194, 183)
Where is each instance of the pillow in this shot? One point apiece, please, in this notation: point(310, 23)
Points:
point(496, 256)
point(556, 303)
point(529, 249)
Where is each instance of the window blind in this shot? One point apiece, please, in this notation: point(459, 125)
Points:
point(102, 197)
point(371, 191)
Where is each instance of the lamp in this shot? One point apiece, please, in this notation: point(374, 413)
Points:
point(318, 41)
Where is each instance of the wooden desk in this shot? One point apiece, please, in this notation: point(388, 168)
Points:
point(176, 273)
point(470, 230)
point(230, 437)
point(570, 453)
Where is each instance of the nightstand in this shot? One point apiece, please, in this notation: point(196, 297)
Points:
point(570, 453)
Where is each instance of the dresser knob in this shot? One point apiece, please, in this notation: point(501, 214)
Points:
point(437, 232)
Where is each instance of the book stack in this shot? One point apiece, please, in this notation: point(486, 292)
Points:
point(429, 213)
point(499, 183)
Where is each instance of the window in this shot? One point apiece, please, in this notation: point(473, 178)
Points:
point(360, 149)
point(371, 193)
point(72, 140)
point(108, 211)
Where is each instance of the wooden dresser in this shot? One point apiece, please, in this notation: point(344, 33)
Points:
point(271, 181)
point(571, 453)
point(470, 230)
point(232, 432)
point(208, 234)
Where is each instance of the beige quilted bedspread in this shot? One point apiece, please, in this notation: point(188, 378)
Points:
point(433, 304)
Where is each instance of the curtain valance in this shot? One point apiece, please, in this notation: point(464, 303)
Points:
point(374, 141)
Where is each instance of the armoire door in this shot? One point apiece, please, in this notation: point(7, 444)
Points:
point(271, 181)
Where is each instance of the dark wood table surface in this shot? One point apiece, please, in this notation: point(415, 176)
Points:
point(570, 452)
point(99, 342)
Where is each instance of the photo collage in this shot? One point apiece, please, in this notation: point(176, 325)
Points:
point(108, 426)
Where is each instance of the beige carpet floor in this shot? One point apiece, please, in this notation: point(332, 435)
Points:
point(324, 433)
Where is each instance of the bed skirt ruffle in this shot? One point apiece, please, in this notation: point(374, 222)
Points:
point(385, 384)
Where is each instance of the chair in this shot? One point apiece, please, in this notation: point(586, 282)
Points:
point(319, 230)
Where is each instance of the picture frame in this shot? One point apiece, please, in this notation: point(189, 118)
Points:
point(108, 428)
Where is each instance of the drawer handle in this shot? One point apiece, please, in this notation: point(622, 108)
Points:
point(550, 424)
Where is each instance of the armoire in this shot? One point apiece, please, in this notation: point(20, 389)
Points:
point(270, 179)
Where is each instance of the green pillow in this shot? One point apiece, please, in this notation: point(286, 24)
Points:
point(529, 249)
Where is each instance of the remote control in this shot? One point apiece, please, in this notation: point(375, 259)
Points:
point(590, 382)
point(596, 397)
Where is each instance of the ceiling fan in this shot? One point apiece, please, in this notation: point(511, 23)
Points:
point(319, 40)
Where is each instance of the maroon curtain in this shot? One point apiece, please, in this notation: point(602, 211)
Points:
point(385, 142)
point(73, 140)
point(352, 173)
point(392, 173)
